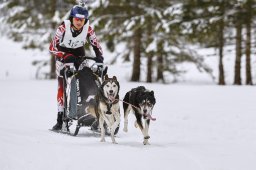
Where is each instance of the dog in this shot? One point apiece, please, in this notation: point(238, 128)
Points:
point(107, 107)
point(141, 101)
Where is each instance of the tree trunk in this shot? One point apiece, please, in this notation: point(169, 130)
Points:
point(136, 61)
point(248, 44)
point(221, 45)
point(237, 77)
point(150, 54)
point(160, 64)
point(160, 76)
point(52, 60)
point(149, 68)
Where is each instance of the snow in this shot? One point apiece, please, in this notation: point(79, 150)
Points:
point(16, 62)
point(197, 127)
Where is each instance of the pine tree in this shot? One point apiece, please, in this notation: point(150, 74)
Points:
point(31, 22)
point(208, 20)
point(238, 21)
point(249, 14)
point(129, 22)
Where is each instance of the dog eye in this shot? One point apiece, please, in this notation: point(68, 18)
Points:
point(114, 86)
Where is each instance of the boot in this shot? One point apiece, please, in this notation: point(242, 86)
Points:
point(58, 125)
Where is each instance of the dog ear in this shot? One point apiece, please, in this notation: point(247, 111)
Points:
point(114, 78)
point(153, 97)
point(106, 77)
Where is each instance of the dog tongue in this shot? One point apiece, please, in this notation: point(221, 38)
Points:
point(150, 117)
point(111, 98)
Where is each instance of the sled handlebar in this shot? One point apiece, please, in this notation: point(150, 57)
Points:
point(92, 58)
point(89, 58)
point(86, 57)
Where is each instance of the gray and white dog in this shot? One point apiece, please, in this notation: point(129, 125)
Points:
point(107, 107)
point(141, 101)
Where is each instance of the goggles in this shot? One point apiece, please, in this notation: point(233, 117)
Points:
point(79, 19)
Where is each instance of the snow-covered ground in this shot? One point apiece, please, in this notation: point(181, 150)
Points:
point(198, 127)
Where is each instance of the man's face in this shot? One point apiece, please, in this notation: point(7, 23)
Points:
point(78, 22)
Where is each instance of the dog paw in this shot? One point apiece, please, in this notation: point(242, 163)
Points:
point(135, 124)
point(114, 142)
point(102, 140)
point(125, 129)
point(145, 142)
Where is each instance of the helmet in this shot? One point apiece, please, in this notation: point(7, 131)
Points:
point(79, 12)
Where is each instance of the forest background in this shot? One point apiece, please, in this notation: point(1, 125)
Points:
point(155, 35)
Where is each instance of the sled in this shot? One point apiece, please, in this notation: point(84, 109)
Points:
point(80, 87)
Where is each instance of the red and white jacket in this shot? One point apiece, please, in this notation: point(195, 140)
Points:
point(56, 41)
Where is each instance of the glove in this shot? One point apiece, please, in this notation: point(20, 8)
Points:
point(102, 72)
point(70, 58)
point(99, 59)
point(105, 71)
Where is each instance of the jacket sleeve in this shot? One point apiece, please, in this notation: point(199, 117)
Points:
point(56, 41)
point(95, 43)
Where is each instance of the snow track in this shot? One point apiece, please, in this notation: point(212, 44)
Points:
point(197, 128)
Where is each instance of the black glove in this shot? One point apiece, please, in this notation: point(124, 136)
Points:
point(102, 72)
point(70, 58)
point(105, 71)
point(99, 59)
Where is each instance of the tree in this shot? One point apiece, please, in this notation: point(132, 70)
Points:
point(138, 24)
point(220, 30)
point(160, 63)
point(248, 21)
point(33, 23)
point(238, 25)
point(150, 53)
point(137, 55)
point(209, 20)
point(158, 32)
